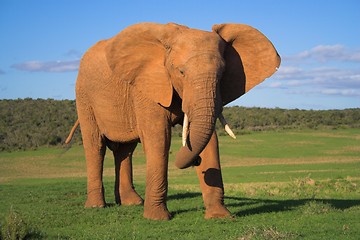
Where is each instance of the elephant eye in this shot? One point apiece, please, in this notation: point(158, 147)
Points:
point(182, 72)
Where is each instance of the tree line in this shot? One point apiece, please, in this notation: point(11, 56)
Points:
point(32, 123)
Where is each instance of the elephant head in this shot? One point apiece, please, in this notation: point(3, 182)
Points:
point(205, 69)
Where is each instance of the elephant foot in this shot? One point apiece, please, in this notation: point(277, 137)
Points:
point(217, 212)
point(94, 204)
point(95, 200)
point(157, 213)
point(131, 198)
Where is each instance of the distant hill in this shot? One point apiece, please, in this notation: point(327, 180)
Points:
point(31, 123)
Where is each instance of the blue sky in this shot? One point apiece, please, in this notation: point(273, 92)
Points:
point(319, 41)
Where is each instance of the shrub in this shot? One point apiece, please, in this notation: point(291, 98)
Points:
point(14, 227)
point(32, 123)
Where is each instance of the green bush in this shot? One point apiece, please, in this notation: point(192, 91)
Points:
point(31, 123)
point(15, 227)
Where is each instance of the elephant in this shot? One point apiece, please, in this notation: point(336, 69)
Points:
point(138, 84)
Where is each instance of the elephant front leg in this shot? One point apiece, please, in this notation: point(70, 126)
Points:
point(125, 193)
point(155, 136)
point(209, 173)
point(156, 151)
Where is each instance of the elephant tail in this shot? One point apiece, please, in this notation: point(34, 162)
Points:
point(67, 141)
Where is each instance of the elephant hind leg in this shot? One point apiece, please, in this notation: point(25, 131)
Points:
point(125, 193)
point(95, 148)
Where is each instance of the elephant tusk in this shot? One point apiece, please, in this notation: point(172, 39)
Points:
point(185, 130)
point(226, 126)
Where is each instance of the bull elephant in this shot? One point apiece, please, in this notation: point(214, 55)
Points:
point(136, 85)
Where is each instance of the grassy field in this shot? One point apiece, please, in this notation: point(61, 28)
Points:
point(278, 185)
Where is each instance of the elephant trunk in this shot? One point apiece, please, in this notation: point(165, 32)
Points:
point(202, 118)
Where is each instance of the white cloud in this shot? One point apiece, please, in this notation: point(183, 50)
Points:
point(323, 79)
point(343, 92)
point(294, 76)
point(325, 53)
point(274, 84)
point(50, 66)
point(328, 91)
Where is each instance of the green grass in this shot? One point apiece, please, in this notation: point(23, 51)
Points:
point(279, 185)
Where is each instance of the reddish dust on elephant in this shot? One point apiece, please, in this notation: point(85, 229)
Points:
point(136, 85)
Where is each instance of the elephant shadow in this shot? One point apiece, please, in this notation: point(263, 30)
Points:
point(269, 205)
point(251, 206)
point(184, 195)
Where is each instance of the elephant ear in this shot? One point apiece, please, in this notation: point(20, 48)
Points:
point(136, 56)
point(250, 58)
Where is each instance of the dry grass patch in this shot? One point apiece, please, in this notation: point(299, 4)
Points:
point(344, 150)
point(186, 187)
point(266, 233)
point(37, 168)
point(327, 134)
